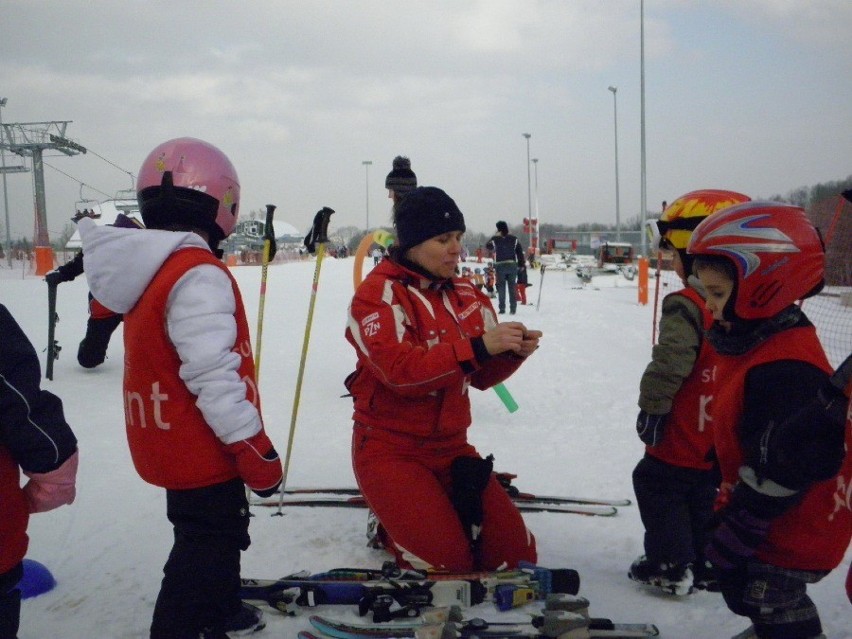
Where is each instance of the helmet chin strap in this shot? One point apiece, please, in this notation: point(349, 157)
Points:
point(167, 188)
point(168, 197)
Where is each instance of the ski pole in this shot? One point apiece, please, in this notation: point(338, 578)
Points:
point(317, 236)
point(53, 347)
point(270, 247)
point(540, 285)
point(657, 275)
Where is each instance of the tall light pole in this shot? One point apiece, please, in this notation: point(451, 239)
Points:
point(529, 185)
point(617, 197)
point(5, 190)
point(644, 204)
point(537, 225)
point(367, 164)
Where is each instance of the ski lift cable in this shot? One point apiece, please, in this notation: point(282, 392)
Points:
point(78, 181)
point(111, 163)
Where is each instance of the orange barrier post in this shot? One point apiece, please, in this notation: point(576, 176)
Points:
point(643, 280)
point(43, 260)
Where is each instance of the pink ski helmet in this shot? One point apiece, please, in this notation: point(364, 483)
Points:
point(190, 182)
point(777, 252)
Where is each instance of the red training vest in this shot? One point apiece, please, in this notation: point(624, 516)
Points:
point(814, 534)
point(170, 443)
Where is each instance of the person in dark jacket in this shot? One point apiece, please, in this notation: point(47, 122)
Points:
point(508, 256)
point(102, 321)
point(35, 439)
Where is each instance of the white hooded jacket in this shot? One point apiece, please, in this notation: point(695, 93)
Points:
point(120, 264)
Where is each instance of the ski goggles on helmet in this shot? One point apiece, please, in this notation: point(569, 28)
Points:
point(653, 233)
point(658, 230)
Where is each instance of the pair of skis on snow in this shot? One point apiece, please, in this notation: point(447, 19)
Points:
point(392, 593)
point(348, 497)
point(569, 626)
point(563, 617)
point(396, 597)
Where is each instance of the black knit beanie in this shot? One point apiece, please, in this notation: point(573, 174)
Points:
point(424, 213)
point(502, 227)
point(401, 179)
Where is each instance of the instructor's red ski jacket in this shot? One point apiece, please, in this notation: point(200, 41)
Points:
point(415, 356)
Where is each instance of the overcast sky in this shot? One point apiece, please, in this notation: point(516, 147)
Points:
point(750, 95)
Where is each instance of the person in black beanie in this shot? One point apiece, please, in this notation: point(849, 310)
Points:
point(400, 180)
point(508, 258)
point(423, 337)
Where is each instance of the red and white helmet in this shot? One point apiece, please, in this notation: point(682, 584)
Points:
point(187, 181)
point(778, 254)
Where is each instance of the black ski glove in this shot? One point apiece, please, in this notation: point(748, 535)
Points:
point(54, 278)
point(470, 476)
point(650, 427)
point(809, 446)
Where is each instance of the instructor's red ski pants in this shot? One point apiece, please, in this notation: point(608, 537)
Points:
point(406, 482)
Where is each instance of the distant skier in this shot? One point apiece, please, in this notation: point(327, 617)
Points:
point(424, 336)
point(508, 256)
point(522, 284)
point(102, 321)
point(35, 438)
point(191, 403)
point(400, 180)
point(675, 483)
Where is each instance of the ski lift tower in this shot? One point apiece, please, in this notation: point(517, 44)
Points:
point(32, 139)
point(4, 169)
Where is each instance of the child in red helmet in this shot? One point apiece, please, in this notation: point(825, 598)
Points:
point(192, 408)
point(783, 521)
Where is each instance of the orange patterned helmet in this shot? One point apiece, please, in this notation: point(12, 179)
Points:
point(680, 218)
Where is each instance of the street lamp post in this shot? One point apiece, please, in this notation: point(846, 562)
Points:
point(617, 197)
point(5, 189)
point(529, 185)
point(367, 164)
point(537, 225)
point(644, 204)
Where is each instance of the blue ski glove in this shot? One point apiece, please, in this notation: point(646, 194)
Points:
point(736, 539)
point(650, 427)
point(743, 525)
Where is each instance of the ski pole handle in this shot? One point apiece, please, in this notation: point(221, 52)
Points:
point(270, 246)
point(506, 397)
point(324, 216)
point(319, 230)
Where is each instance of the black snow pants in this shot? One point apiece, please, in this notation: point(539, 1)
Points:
point(676, 507)
point(10, 602)
point(200, 589)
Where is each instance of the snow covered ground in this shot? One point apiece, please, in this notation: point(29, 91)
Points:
point(573, 434)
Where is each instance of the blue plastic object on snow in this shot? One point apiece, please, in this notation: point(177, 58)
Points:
point(36, 581)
